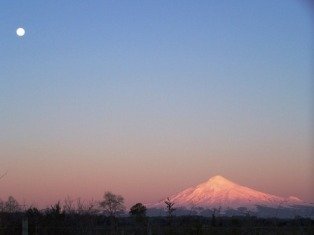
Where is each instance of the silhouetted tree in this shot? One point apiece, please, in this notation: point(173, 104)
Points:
point(87, 208)
point(68, 206)
point(78, 206)
point(170, 209)
point(213, 222)
point(112, 205)
point(138, 211)
point(1, 205)
point(55, 212)
point(11, 205)
point(215, 212)
point(34, 216)
point(32, 212)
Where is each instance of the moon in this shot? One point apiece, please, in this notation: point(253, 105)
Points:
point(20, 32)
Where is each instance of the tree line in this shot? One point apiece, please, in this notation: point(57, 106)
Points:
point(112, 205)
point(109, 216)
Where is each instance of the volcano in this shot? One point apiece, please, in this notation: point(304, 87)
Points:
point(219, 192)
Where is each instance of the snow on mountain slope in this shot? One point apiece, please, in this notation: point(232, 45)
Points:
point(220, 192)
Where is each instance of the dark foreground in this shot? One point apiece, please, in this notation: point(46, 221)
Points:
point(58, 223)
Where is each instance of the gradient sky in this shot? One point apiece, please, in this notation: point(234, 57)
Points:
point(146, 98)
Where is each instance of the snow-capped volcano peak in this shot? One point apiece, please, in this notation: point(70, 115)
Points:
point(221, 192)
point(218, 181)
point(218, 178)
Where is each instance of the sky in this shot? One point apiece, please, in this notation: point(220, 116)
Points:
point(147, 98)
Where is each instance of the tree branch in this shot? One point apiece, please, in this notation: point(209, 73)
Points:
point(1, 176)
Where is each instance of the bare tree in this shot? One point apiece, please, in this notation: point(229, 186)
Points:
point(1, 205)
point(169, 207)
point(11, 205)
point(1, 176)
point(92, 207)
point(80, 206)
point(112, 205)
point(68, 205)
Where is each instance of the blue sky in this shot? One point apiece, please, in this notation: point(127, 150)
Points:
point(199, 85)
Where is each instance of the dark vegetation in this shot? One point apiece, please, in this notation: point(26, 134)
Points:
point(109, 217)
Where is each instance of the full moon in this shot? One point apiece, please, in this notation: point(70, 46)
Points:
point(20, 32)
